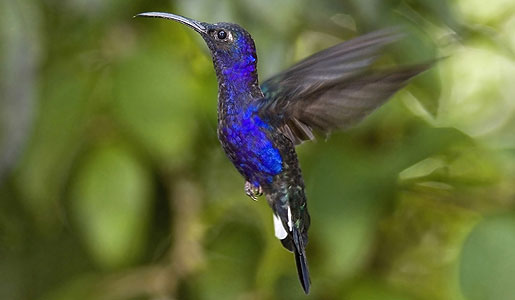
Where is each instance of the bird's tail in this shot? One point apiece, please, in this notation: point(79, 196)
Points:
point(301, 261)
point(295, 242)
point(291, 223)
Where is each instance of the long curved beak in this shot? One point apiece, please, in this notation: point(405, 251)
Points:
point(196, 25)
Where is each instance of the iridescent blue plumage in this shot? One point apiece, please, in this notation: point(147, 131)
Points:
point(258, 131)
point(242, 132)
point(255, 156)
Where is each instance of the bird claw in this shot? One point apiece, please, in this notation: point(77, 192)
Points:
point(252, 191)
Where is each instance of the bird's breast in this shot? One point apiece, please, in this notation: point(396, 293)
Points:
point(246, 140)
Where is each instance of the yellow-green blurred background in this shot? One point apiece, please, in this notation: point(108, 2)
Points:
point(113, 184)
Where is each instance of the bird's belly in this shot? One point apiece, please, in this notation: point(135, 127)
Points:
point(248, 146)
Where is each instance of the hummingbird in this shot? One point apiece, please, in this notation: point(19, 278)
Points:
point(259, 125)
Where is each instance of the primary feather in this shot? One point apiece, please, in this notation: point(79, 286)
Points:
point(333, 89)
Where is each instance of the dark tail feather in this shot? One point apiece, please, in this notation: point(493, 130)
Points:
point(300, 260)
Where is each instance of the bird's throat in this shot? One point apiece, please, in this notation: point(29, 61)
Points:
point(238, 85)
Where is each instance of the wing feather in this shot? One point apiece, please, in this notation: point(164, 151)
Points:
point(334, 88)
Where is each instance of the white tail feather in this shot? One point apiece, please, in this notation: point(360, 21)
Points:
point(280, 231)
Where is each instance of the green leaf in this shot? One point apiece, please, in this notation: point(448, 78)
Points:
point(479, 96)
point(487, 263)
point(233, 253)
point(58, 132)
point(155, 103)
point(111, 203)
point(372, 290)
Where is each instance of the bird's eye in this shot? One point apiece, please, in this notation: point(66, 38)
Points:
point(222, 35)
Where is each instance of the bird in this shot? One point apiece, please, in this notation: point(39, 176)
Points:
point(259, 125)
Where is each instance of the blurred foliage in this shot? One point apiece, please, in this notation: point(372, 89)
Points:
point(113, 184)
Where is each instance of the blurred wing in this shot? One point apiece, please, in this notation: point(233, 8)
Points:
point(330, 89)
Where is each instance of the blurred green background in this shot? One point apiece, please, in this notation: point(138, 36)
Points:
point(113, 184)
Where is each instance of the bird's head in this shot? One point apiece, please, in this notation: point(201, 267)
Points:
point(231, 46)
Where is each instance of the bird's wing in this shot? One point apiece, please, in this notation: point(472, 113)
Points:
point(332, 89)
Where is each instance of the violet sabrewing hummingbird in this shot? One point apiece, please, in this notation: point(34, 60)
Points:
point(260, 125)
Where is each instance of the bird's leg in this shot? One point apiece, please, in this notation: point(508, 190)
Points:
point(252, 191)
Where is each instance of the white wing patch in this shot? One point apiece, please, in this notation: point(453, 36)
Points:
point(280, 232)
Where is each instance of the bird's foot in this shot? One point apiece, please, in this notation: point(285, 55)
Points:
point(252, 191)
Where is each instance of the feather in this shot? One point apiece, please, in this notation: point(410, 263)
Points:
point(345, 104)
point(280, 232)
point(333, 89)
point(301, 261)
